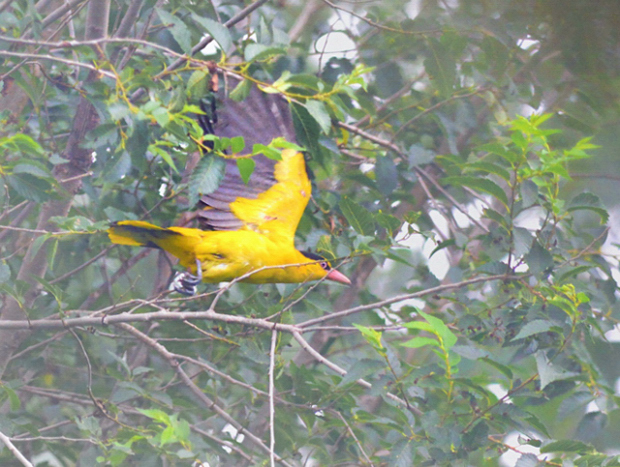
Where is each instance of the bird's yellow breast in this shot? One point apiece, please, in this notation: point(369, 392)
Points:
point(225, 256)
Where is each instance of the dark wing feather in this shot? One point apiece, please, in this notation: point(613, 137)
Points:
point(259, 118)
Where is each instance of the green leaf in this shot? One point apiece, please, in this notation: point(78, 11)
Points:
point(538, 259)
point(441, 245)
point(5, 272)
point(361, 369)
point(30, 187)
point(358, 217)
point(197, 84)
point(259, 52)
point(206, 177)
point(237, 144)
point(34, 168)
point(386, 175)
point(241, 91)
point(591, 426)
point(441, 67)
point(420, 341)
point(534, 327)
point(158, 151)
point(373, 337)
point(488, 168)
point(217, 31)
point(566, 445)
point(177, 28)
point(156, 415)
point(307, 129)
point(439, 327)
point(319, 112)
point(527, 460)
point(500, 150)
point(470, 352)
point(14, 402)
point(267, 151)
point(479, 184)
point(503, 369)
point(246, 168)
point(548, 372)
point(590, 202)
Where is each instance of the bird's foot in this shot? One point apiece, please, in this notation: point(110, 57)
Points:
point(185, 283)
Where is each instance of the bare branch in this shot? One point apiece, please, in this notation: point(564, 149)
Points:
point(11, 447)
point(206, 401)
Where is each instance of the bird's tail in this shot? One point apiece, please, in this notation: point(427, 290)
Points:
point(178, 241)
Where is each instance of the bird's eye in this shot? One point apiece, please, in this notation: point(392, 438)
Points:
point(325, 265)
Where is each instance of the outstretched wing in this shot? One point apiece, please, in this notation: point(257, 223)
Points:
point(274, 199)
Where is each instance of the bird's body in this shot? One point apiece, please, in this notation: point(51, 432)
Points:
point(247, 226)
point(224, 255)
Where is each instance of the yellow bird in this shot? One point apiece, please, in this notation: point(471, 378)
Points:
point(252, 225)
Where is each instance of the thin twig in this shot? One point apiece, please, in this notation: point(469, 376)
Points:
point(6, 53)
point(207, 402)
point(11, 447)
point(357, 441)
point(272, 410)
point(400, 298)
point(342, 372)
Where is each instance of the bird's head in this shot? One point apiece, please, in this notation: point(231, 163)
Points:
point(321, 268)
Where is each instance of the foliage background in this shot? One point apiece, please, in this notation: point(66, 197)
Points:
point(479, 242)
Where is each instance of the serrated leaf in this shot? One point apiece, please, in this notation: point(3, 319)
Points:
point(14, 401)
point(267, 151)
point(358, 217)
point(529, 193)
point(206, 177)
point(34, 168)
point(538, 259)
point(29, 186)
point(197, 84)
point(241, 91)
point(178, 29)
point(440, 328)
point(547, 372)
point(361, 369)
point(534, 327)
point(401, 453)
point(420, 341)
point(319, 112)
point(237, 144)
point(246, 168)
point(566, 445)
point(588, 201)
point(372, 336)
point(158, 151)
point(470, 352)
point(386, 175)
point(441, 67)
point(441, 245)
point(488, 168)
point(217, 31)
point(479, 184)
point(258, 52)
point(527, 460)
point(5, 272)
point(503, 369)
point(307, 129)
point(591, 426)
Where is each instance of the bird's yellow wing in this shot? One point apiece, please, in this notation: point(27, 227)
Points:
point(274, 199)
point(274, 212)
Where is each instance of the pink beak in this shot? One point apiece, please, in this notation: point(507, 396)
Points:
point(337, 276)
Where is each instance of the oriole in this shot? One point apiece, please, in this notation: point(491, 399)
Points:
point(252, 225)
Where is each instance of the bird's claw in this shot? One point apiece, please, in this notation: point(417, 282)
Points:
point(186, 282)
